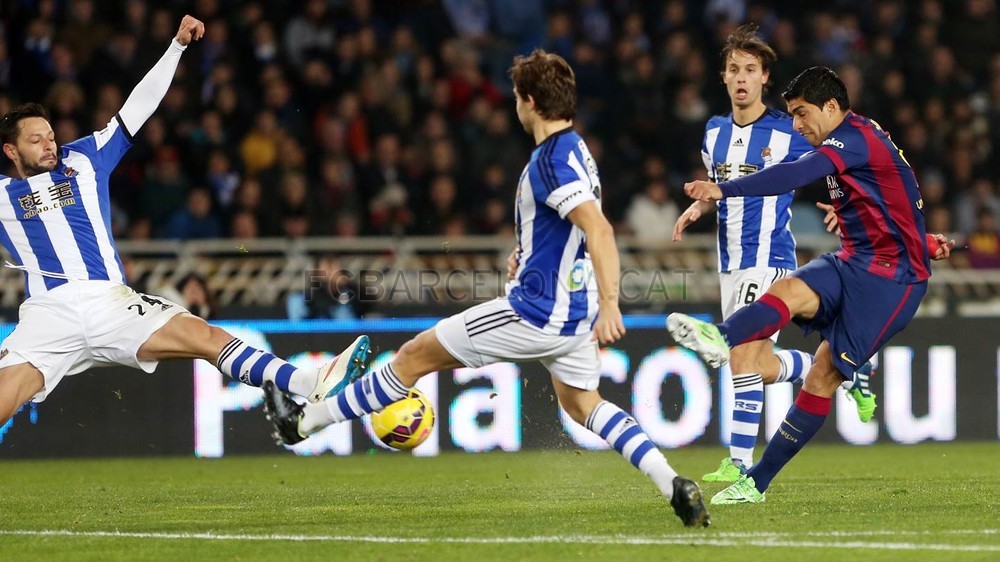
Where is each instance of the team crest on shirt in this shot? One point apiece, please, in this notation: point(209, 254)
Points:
point(765, 155)
point(69, 172)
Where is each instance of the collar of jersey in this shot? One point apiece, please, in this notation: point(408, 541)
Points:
point(767, 111)
point(554, 136)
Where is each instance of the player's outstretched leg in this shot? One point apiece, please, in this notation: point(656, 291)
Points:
point(186, 336)
point(252, 366)
point(703, 338)
point(623, 433)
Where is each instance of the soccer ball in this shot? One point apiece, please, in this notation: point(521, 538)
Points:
point(406, 423)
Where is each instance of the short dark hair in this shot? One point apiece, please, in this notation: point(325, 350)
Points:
point(549, 80)
point(745, 38)
point(10, 124)
point(818, 85)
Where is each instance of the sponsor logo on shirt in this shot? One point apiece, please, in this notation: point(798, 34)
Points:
point(833, 142)
point(60, 195)
point(834, 188)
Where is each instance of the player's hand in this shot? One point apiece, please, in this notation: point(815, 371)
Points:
point(692, 214)
point(703, 190)
point(830, 220)
point(512, 264)
point(191, 29)
point(939, 246)
point(609, 327)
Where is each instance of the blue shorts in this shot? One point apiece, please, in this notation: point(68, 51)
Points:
point(858, 312)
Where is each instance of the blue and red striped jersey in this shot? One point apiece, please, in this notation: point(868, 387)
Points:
point(877, 201)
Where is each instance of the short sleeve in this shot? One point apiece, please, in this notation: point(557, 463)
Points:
point(564, 187)
point(105, 147)
point(846, 151)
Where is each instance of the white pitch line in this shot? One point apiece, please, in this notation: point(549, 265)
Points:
point(732, 540)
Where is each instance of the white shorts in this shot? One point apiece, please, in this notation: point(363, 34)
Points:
point(84, 324)
point(741, 287)
point(493, 333)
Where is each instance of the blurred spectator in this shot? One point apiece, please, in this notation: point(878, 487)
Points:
point(260, 147)
point(441, 206)
point(309, 33)
point(244, 226)
point(984, 241)
point(295, 215)
point(166, 187)
point(652, 215)
point(196, 220)
point(330, 293)
point(192, 292)
point(980, 195)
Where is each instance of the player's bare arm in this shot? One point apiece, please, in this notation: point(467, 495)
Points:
point(697, 210)
point(604, 253)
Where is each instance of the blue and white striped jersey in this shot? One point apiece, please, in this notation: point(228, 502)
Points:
point(753, 231)
point(57, 225)
point(555, 288)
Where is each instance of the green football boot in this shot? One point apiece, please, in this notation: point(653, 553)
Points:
point(864, 398)
point(743, 490)
point(729, 470)
point(700, 337)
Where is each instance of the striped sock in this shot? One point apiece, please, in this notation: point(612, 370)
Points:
point(794, 365)
point(748, 392)
point(370, 393)
point(252, 366)
point(623, 433)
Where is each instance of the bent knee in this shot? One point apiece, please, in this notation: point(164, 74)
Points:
point(414, 347)
point(799, 297)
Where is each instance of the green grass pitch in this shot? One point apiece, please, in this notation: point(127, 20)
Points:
point(926, 502)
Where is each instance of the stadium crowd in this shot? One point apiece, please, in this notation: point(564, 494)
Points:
point(357, 117)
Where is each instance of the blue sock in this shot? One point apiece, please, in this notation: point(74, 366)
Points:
point(794, 365)
point(623, 433)
point(253, 366)
point(370, 393)
point(749, 402)
point(756, 321)
point(801, 423)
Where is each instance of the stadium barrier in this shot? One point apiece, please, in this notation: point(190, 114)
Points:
point(261, 273)
point(939, 380)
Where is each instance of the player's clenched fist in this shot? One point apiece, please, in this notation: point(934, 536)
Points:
point(191, 29)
